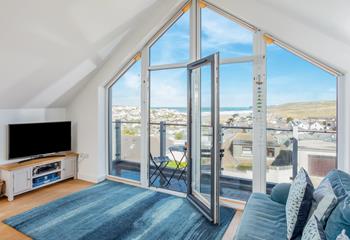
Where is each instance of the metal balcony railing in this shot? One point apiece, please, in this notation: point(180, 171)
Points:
point(163, 134)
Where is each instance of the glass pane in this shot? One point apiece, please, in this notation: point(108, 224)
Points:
point(125, 131)
point(201, 181)
point(236, 101)
point(174, 45)
point(220, 34)
point(279, 157)
point(303, 98)
point(168, 129)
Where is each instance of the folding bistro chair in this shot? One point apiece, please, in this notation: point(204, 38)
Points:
point(160, 164)
point(180, 165)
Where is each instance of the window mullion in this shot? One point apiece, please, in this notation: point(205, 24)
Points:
point(145, 104)
point(342, 151)
point(195, 54)
point(259, 114)
point(167, 66)
point(237, 60)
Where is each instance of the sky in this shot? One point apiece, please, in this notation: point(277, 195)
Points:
point(289, 78)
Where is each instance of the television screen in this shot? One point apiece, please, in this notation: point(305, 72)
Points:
point(38, 138)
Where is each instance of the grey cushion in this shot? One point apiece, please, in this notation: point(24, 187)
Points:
point(280, 192)
point(322, 190)
point(262, 218)
point(325, 188)
point(325, 207)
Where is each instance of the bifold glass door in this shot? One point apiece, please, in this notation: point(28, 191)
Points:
point(204, 136)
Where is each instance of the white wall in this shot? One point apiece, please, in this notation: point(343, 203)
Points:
point(10, 116)
point(87, 109)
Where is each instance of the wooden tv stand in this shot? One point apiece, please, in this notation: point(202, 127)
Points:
point(33, 174)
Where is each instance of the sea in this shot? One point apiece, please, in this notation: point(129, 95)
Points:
point(207, 109)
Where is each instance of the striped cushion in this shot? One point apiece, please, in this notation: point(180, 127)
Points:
point(298, 204)
point(313, 230)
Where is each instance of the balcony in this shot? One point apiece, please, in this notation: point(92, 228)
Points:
point(287, 150)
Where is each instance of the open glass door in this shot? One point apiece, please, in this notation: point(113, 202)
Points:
point(204, 136)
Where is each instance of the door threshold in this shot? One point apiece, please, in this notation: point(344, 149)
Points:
point(226, 202)
point(232, 203)
point(138, 184)
point(175, 193)
point(124, 180)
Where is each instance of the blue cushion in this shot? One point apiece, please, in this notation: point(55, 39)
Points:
point(339, 220)
point(262, 218)
point(340, 217)
point(280, 192)
point(340, 182)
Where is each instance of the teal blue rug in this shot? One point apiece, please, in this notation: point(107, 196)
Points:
point(111, 210)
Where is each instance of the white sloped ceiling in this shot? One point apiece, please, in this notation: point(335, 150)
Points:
point(50, 49)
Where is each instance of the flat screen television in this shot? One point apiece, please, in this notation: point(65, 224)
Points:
point(33, 139)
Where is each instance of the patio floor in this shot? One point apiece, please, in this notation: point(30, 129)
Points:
point(230, 187)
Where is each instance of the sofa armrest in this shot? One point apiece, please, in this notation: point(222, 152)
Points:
point(280, 193)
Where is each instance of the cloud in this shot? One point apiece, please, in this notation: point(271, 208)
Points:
point(237, 98)
point(172, 47)
point(127, 90)
point(298, 88)
point(169, 88)
point(220, 31)
point(332, 90)
point(132, 80)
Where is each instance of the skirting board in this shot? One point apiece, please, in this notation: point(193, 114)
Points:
point(92, 179)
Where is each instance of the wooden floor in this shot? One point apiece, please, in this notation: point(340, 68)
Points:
point(47, 194)
point(33, 199)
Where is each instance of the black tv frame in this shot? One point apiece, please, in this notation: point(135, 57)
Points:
point(39, 155)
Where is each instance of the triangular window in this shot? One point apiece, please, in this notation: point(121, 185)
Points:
point(220, 34)
point(174, 45)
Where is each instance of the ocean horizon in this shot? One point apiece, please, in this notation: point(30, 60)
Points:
point(207, 109)
point(204, 109)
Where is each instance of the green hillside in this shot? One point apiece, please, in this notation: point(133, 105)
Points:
point(302, 110)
